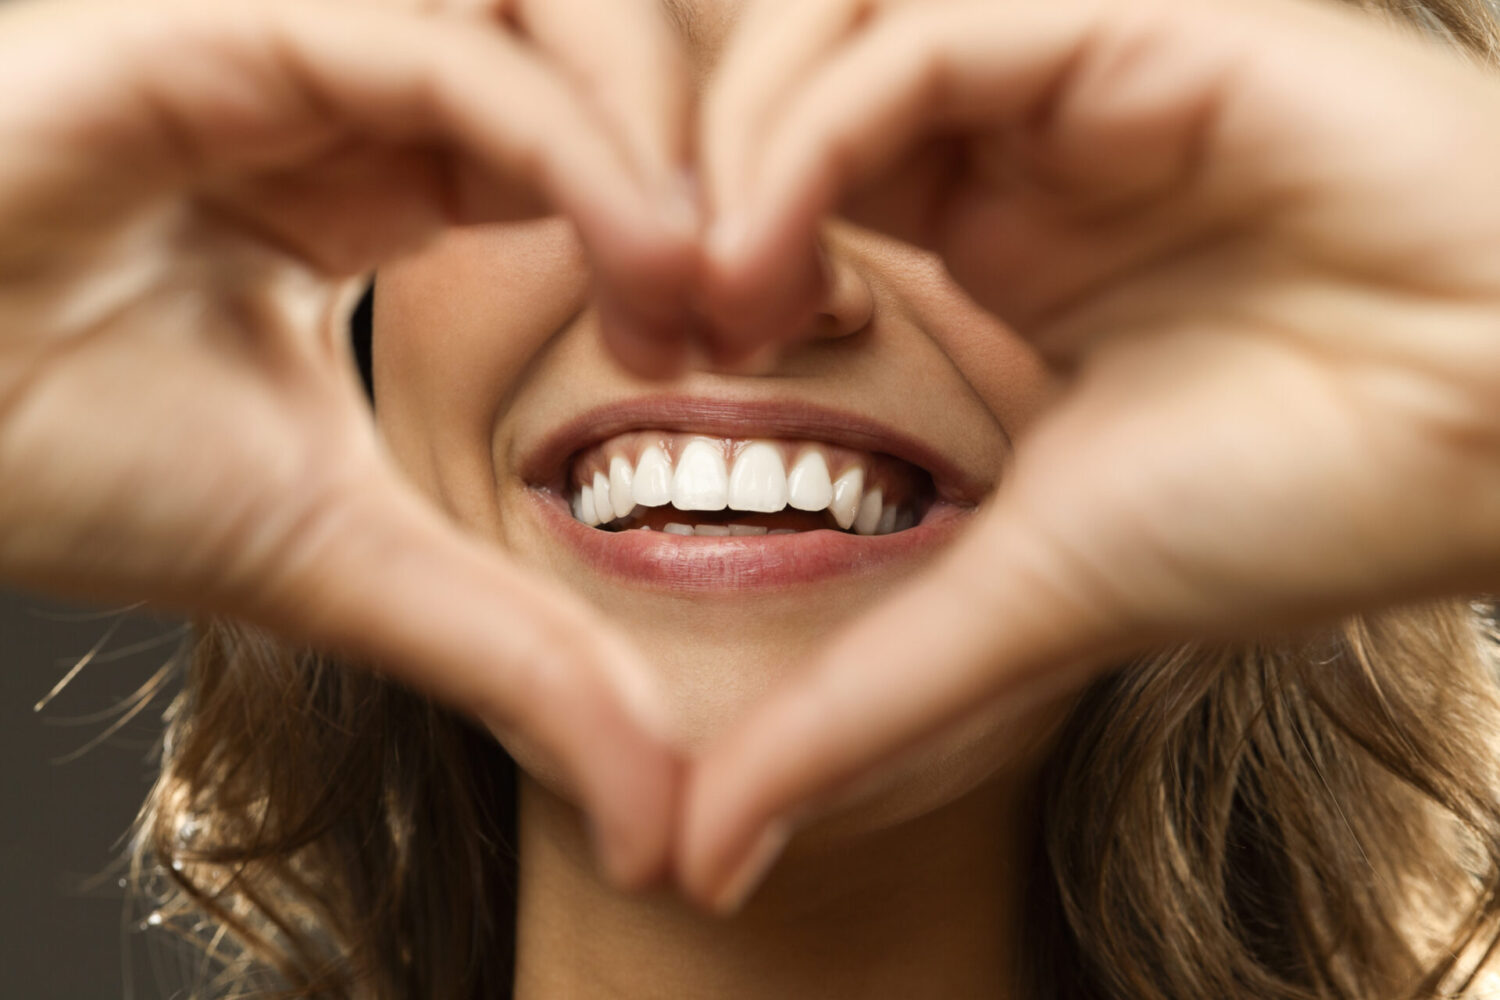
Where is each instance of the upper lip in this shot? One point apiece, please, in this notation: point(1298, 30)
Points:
point(770, 418)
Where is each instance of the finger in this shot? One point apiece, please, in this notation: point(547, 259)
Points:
point(549, 140)
point(779, 43)
point(374, 570)
point(871, 98)
point(862, 98)
point(1106, 106)
point(185, 94)
point(628, 63)
point(320, 212)
point(922, 69)
point(489, 96)
point(251, 101)
point(773, 49)
point(1000, 617)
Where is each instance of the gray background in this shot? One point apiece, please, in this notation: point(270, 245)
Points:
point(66, 930)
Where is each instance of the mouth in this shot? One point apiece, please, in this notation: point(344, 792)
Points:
point(710, 494)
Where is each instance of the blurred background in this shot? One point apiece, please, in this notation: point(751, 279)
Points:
point(72, 776)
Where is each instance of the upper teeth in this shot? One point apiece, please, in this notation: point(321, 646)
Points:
point(756, 481)
point(808, 486)
point(700, 482)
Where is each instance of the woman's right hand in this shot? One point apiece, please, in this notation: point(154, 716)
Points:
point(189, 196)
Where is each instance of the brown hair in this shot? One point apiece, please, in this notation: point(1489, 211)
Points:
point(1300, 819)
point(1313, 818)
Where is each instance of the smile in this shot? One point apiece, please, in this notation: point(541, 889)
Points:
point(710, 495)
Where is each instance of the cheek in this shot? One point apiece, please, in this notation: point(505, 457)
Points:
point(456, 326)
point(1002, 367)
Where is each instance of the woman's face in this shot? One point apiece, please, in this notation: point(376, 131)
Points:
point(810, 490)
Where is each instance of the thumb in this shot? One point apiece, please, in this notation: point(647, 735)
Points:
point(998, 618)
point(378, 572)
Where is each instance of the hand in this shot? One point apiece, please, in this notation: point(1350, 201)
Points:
point(185, 209)
point(1262, 241)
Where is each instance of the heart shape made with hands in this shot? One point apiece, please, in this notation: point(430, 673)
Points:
point(1146, 191)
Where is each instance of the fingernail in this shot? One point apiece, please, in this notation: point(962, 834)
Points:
point(752, 868)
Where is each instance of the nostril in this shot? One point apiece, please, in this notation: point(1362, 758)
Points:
point(848, 303)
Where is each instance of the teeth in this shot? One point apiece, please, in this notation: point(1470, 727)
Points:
point(603, 510)
point(870, 509)
point(653, 478)
point(715, 530)
point(621, 479)
point(586, 506)
point(701, 481)
point(808, 486)
point(758, 482)
point(846, 495)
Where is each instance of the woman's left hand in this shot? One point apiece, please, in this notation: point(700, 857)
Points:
point(1261, 240)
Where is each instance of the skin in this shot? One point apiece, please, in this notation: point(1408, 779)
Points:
point(185, 208)
point(782, 726)
point(1266, 315)
point(911, 893)
point(521, 354)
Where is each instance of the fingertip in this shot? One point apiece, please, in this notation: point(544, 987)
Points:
point(644, 282)
point(726, 848)
point(633, 792)
point(711, 814)
point(644, 349)
point(761, 305)
point(633, 837)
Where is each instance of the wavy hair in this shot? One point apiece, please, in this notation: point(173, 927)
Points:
point(1311, 818)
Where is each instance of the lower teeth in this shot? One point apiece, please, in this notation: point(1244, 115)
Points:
point(721, 530)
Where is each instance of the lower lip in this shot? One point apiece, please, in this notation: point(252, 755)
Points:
point(756, 562)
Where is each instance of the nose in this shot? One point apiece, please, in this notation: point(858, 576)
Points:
point(848, 304)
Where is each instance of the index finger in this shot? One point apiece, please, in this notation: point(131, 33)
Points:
point(624, 57)
point(627, 63)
